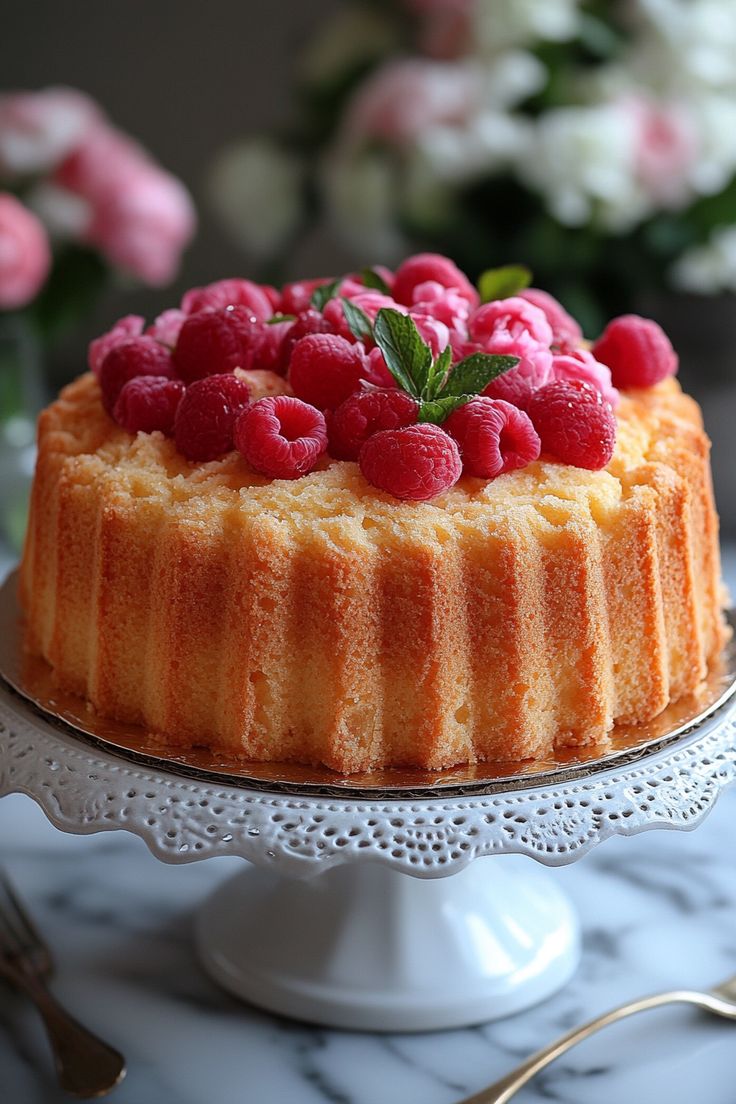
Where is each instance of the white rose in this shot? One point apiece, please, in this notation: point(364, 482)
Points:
point(257, 189)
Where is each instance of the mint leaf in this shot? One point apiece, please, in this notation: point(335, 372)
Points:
point(280, 318)
point(472, 375)
point(438, 373)
point(373, 279)
point(360, 324)
point(322, 294)
point(501, 283)
point(407, 357)
point(436, 410)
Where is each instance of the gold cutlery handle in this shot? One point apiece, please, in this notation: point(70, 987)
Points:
point(86, 1066)
point(503, 1090)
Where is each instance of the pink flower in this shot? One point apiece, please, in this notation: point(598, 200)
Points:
point(405, 97)
point(432, 331)
point(425, 274)
point(125, 328)
point(582, 365)
point(232, 292)
point(444, 304)
point(513, 327)
point(25, 257)
point(166, 327)
point(38, 129)
point(566, 332)
point(666, 147)
point(368, 300)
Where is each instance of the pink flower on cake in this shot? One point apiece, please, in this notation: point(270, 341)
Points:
point(125, 328)
point(513, 327)
point(566, 332)
point(582, 365)
point(25, 257)
point(423, 269)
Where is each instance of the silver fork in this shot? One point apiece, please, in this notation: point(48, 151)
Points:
point(720, 1000)
point(86, 1066)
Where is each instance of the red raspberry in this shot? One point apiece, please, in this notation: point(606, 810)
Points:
point(281, 436)
point(417, 462)
point(203, 429)
point(575, 423)
point(268, 341)
point(365, 413)
point(229, 293)
point(148, 403)
point(308, 322)
point(637, 351)
point(431, 267)
point(139, 356)
point(494, 437)
point(325, 369)
point(214, 341)
point(297, 297)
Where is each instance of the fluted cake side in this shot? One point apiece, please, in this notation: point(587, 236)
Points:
point(323, 621)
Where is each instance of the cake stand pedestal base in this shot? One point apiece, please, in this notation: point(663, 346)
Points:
point(369, 948)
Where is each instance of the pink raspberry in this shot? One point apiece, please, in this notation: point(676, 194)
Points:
point(365, 413)
point(637, 351)
point(581, 364)
point(417, 462)
point(377, 372)
point(125, 328)
point(325, 369)
point(203, 429)
point(566, 332)
point(268, 342)
point(424, 268)
point(148, 403)
point(281, 436)
point(494, 437)
point(167, 327)
point(138, 356)
point(229, 293)
point(296, 298)
point(308, 322)
point(575, 423)
point(214, 341)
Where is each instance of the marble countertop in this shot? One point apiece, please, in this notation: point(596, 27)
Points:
point(658, 911)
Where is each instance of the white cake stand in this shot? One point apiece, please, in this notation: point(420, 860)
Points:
point(384, 938)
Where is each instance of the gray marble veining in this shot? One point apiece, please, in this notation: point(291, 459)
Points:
point(658, 910)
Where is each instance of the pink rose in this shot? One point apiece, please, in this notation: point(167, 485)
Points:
point(101, 163)
point(445, 305)
point(433, 332)
point(566, 332)
point(369, 301)
point(38, 129)
point(418, 276)
point(666, 147)
point(405, 97)
point(25, 257)
point(582, 365)
point(129, 326)
point(513, 327)
point(166, 327)
point(231, 292)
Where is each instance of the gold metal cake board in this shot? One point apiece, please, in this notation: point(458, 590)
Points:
point(32, 679)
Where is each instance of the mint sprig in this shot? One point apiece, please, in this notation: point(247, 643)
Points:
point(438, 387)
point(502, 283)
point(373, 279)
point(321, 295)
point(360, 324)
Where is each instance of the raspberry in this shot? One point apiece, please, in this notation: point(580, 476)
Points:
point(203, 429)
point(365, 413)
point(637, 351)
point(167, 327)
point(148, 403)
point(416, 462)
point(566, 332)
point(281, 437)
point(296, 298)
point(125, 328)
point(575, 423)
point(308, 322)
point(494, 437)
point(430, 267)
point(229, 293)
point(267, 344)
point(325, 369)
point(214, 341)
point(138, 356)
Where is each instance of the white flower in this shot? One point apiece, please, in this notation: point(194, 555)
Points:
point(361, 195)
point(582, 159)
point(64, 214)
point(715, 122)
point(710, 268)
point(700, 36)
point(256, 187)
point(498, 24)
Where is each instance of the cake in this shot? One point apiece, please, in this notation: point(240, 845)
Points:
point(316, 617)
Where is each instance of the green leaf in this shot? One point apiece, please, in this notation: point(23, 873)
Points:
point(322, 294)
point(501, 283)
point(438, 373)
point(407, 357)
point(436, 410)
point(373, 279)
point(360, 324)
point(280, 318)
point(472, 375)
